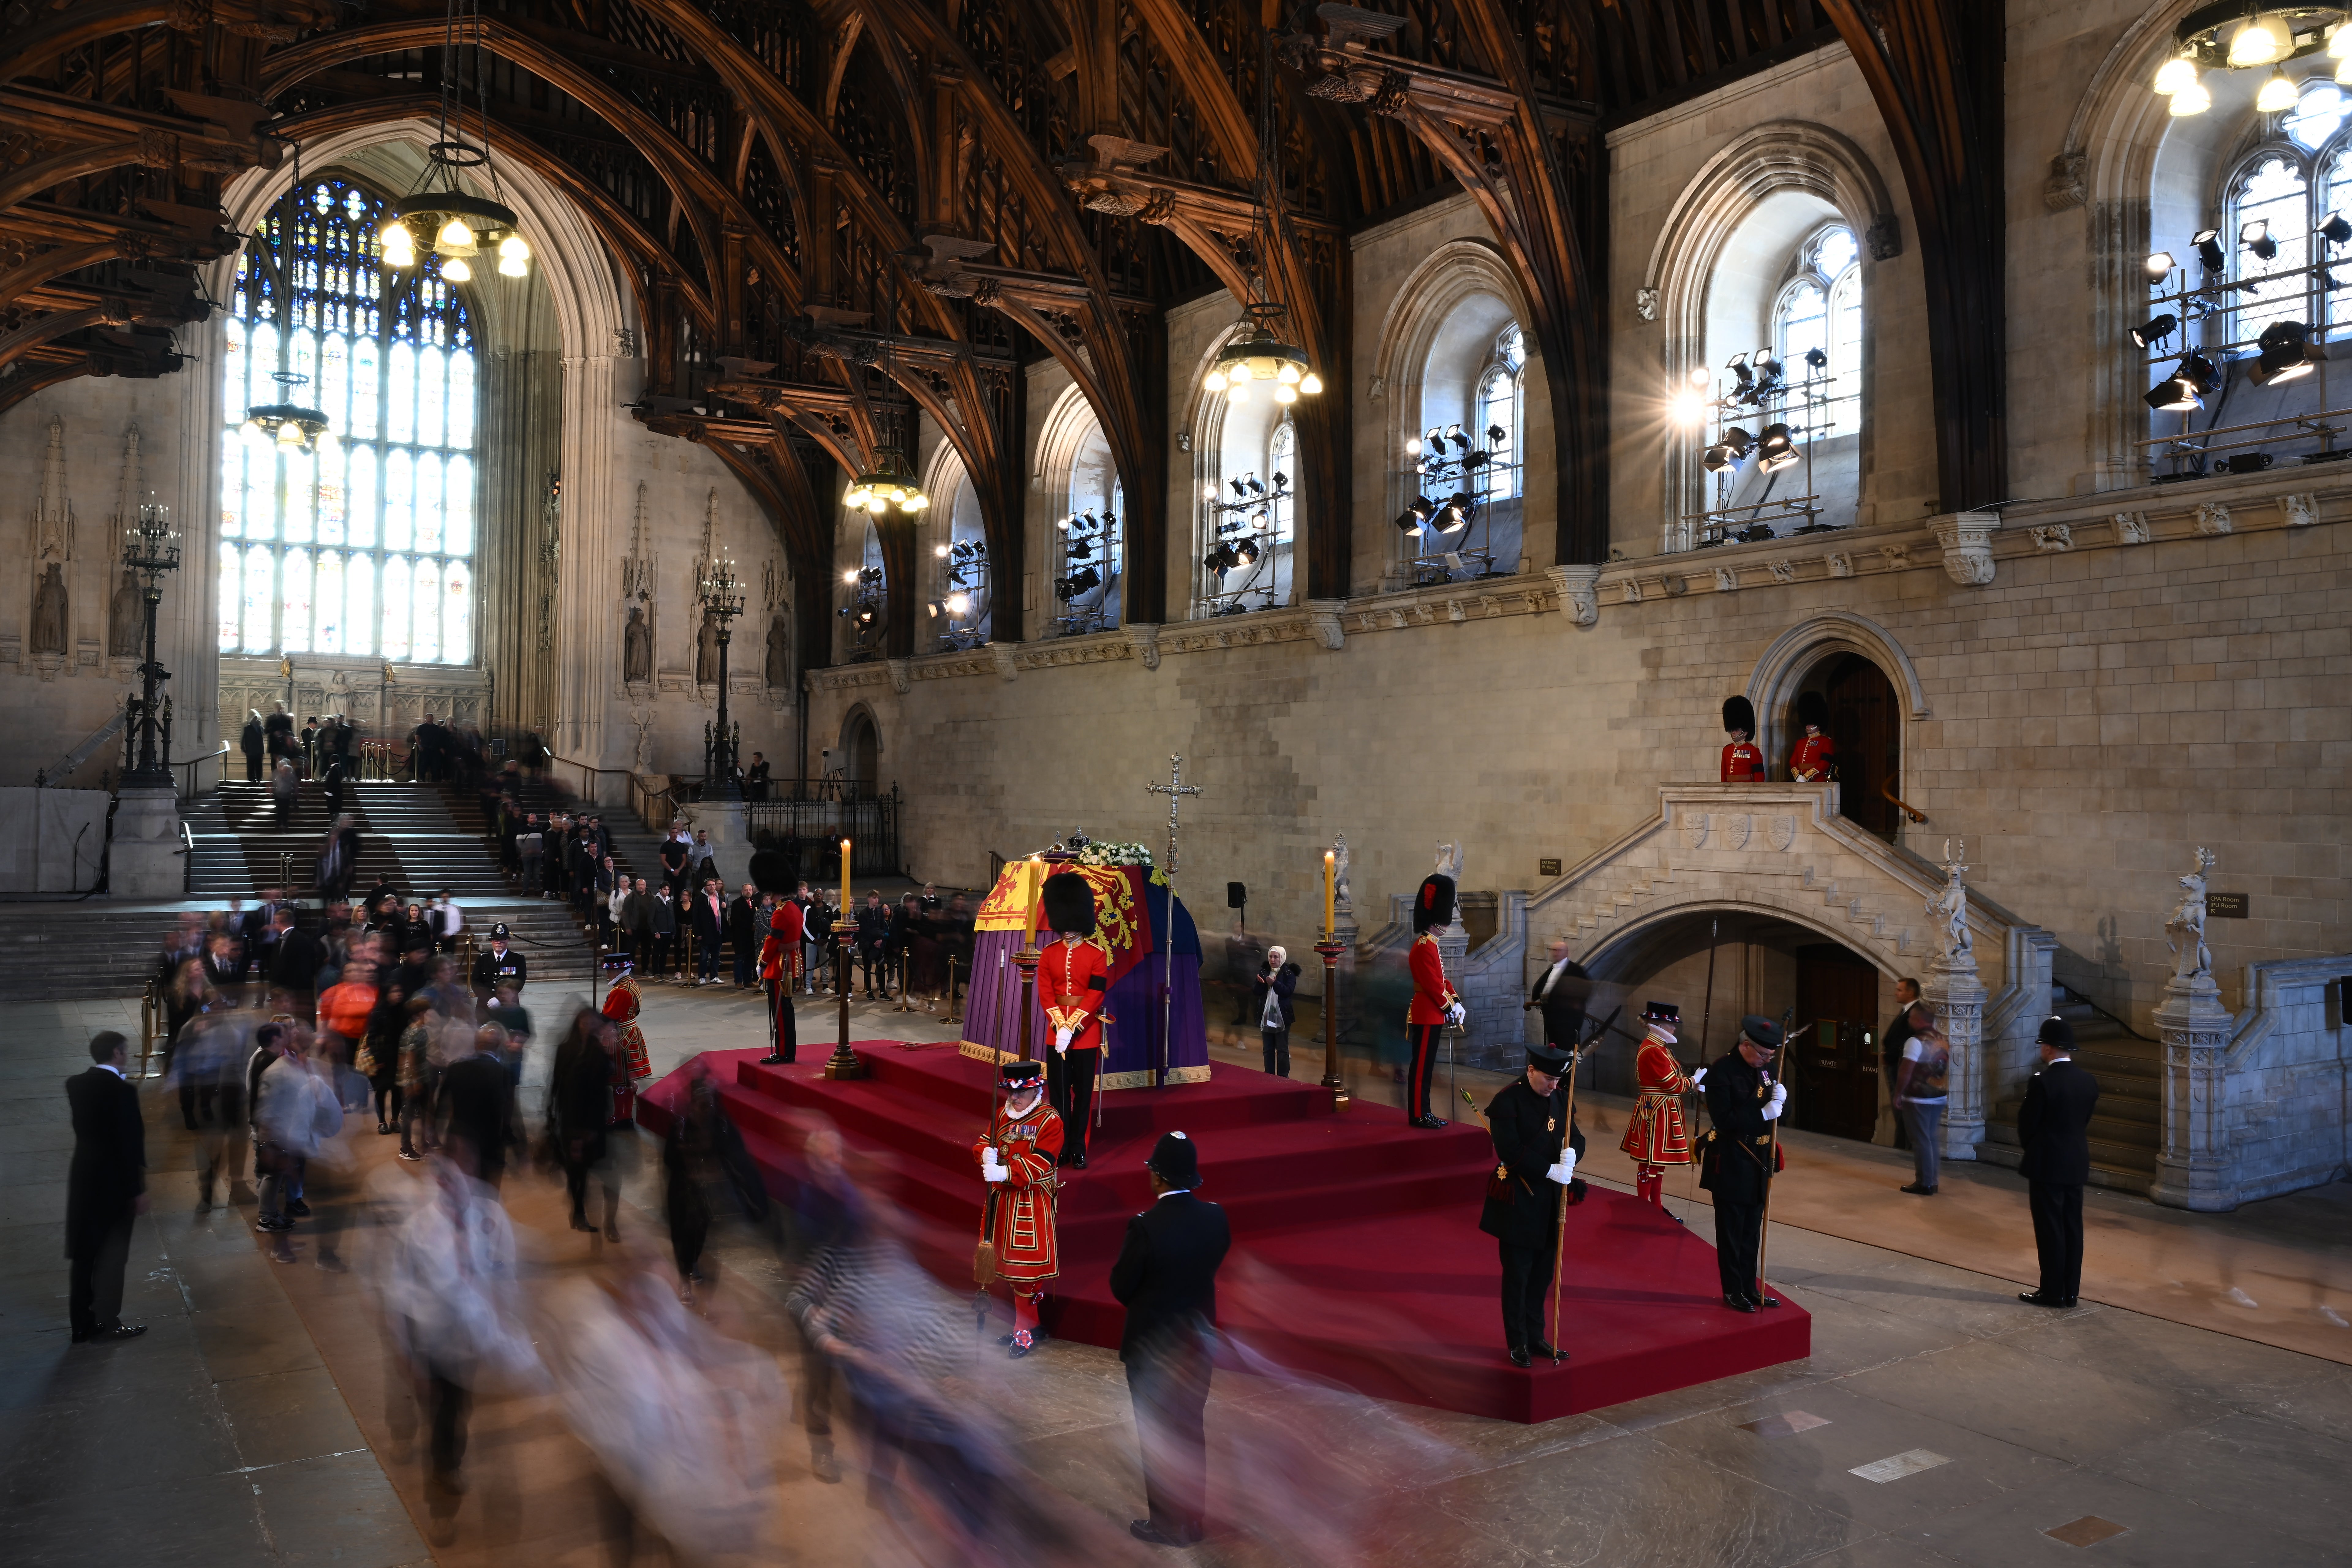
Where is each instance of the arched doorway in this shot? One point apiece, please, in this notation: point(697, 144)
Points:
point(1867, 726)
point(861, 755)
point(1717, 967)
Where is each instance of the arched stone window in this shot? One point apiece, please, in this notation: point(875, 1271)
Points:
point(366, 547)
point(1089, 541)
point(1461, 499)
point(1820, 310)
point(1502, 406)
point(958, 610)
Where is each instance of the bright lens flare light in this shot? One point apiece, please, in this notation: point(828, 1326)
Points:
point(1688, 407)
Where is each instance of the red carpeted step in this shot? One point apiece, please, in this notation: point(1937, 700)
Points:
point(1356, 1254)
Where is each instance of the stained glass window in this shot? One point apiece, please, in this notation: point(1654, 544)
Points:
point(366, 550)
point(1820, 310)
point(1502, 400)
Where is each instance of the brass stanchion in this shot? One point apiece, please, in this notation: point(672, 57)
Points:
point(1026, 961)
point(950, 1016)
point(1329, 953)
point(844, 1062)
point(147, 1011)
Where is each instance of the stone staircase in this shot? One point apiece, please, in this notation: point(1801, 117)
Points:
point(2125, 1133)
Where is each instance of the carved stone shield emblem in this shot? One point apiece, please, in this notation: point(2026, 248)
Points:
point(1694, 826)
point(1735, 831)
point(1781, 832)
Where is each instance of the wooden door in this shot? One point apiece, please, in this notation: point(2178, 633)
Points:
point(1832, 1063)
point(1869, 734)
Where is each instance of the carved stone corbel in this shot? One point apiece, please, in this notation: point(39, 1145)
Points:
point(1579, 592)
point(2300, 509)
point(1966, 539)
point(2212, 519)
point(1145, 641)
point(1006, 655)
point(1323, 619)
point(902, 673)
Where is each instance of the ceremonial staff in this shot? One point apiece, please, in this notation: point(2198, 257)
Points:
point(1772, 1169)
point(1175, 789)
point(1560, 1216)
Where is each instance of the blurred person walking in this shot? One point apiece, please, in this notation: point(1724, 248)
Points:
point(580, 1104)
point(294, 1111)
point(284, 789)
point(475, 1109)
point(211, 1070)
point(106, 1190)
point(1165, 1276)
point(379, 1058)
point(709, 1176)
point(412, 1101)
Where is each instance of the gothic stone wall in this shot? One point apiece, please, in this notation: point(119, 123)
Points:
point(2095, 713)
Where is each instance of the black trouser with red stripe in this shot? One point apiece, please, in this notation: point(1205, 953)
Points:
point(1070, 1081)
point(1422, 1038)
point(780, 1005)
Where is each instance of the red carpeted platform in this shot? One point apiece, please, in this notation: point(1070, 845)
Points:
point(1356, 1253)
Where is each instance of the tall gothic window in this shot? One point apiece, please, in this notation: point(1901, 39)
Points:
point(367, 549)
point(1502, 404)
point(1820, 310)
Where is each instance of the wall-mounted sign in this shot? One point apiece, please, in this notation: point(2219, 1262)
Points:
point(2226, 906)
point(1547, 868)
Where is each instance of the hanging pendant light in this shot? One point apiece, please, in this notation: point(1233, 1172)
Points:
point(886, 484)
point(2258, 43)
point(2174, 74)
point(438, 217)
point(1258, 358)
point(2278, 95)
point(290, 424)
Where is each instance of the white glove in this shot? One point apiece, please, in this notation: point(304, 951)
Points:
point(993, 1172)
point(988, 1159)
point(1698, 1080)
point(1772, 1107)
point(1565, 1170)
point(1062, 1040)
point(1456, 1013)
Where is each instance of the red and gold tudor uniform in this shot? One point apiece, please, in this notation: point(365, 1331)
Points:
point(1813, 758)
point(1656, 1136)
point(1434, 1004)
point(621, 1005)
point(780, 968)
point(1073, 984)
point(1743, 759)
point(1025, 1143)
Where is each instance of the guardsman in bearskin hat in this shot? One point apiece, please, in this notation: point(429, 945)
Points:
point(1743, 760)
point(1434, 1004)
point(1536, 1150)
point(1813, 759)
point(780, 954)
point(1655, 1137)
point(1743, 1101)
point(1073, 983)
point(1017, 1159)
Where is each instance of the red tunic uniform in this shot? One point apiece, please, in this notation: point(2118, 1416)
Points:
point(1810, 762)
point(1742, 764)
point(1073, 984)
point(620, 1007)
point(1433, 994)
point(1656, 1135)
point(1022, 1203)
point(780, 954)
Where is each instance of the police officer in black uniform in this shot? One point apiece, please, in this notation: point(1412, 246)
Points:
point(1530, 1123)
point(499, 965)
point(1743, 1099)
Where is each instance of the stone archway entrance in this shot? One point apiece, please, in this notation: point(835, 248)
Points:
point(861, 755)
point(1868, 729)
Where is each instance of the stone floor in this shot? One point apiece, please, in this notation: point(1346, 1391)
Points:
point(1938, 1421)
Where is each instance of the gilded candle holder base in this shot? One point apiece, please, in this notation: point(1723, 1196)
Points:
point(844, 1062)
point(1329, 953)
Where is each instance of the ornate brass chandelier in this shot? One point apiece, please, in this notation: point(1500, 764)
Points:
point(437, 218)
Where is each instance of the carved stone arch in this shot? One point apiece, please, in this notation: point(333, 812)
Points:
point(857, 752)
point(590, 311)
point(1788, 155)
point(943, 476)
point(1809, 915)
point(1068, 424)
point(1795, 654)
point(1208, 415)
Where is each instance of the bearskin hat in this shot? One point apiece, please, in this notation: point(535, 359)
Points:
point(771, 871)
point(1070, 904)
point(1435, 904)
point(1739, 715)
point(1814, 708)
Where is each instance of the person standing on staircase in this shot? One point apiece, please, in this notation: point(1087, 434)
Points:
point(663, 915)
point(251, 743)
point(278, 732)
point(285, 792)
point(674, 855)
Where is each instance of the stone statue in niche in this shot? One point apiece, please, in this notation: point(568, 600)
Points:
point(778, 671)
point(124, 620)
point(636, 647)
point(2185, 931)
point(50, 612)
point(1342, 896)
point(1950, 909)
point(705, 651)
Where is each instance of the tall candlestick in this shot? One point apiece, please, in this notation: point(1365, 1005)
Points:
point(1327, 909)
point(1036, 888)
point(845, 877)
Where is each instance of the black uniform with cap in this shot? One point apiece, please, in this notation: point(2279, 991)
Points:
point(1165, 1276)
point(1522, 1213)
point(1743, 1101)
point(499, 965)
point(2054, 1126)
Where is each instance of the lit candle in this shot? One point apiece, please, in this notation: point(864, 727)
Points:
point(1329, 923)
point(845, 877)
point(1035, 885)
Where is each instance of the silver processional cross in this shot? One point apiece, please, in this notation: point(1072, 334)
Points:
point(1175, 789)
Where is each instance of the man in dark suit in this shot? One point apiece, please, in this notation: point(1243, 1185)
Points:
point(476, 1108)
point(1743, 1101)
point(106, 1190)
point(710, 921)
point(1535, 1151)
point(1561, 991)
point(2055, 1127)
point(294, 968)
point(1165, 1276)
point(743, 934)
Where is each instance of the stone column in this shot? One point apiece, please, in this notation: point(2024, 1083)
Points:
point(728, 823)
point(2192, 1163)
point(144, 858)
point(1958, 997)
